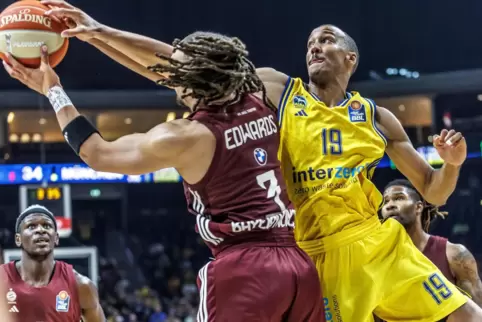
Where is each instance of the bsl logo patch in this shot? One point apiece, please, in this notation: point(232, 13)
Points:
point(62, 302)
point(357, 113)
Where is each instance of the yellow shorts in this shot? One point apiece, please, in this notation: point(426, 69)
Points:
point(382, 273)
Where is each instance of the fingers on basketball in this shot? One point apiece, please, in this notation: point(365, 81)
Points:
point(57, 3)
point(10, 70)
point(44, 56)
point(64, 13)
point(73, 32)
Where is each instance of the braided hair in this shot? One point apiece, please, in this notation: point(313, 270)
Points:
point(429, 211)
point(218, 66)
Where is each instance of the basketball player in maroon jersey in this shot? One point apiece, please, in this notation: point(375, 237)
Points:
point(40, 288)
point(405, 204)
point(226, 153)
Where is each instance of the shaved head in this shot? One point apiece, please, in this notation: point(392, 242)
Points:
point(345, 39)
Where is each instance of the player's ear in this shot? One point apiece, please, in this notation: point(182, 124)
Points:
point(351, 58)
point(57, 239)
point(18, 240)
point(419, 207)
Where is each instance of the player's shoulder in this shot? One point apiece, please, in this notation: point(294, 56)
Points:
point(354, 95)
point(458, 253)
point(87, 290)
point(297, 94)
point(85, 285)
point(179, 130)
point(82, 279)
point(271, 75)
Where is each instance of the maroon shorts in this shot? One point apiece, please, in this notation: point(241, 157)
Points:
point(272, 284)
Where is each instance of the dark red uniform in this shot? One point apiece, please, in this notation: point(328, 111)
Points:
point(436, 251)
point(245, 217)
point(56, 302)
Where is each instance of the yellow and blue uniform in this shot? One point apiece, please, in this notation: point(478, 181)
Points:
point(328, 157)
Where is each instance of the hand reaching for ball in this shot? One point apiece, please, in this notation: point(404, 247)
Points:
point(80, 24)
point(39, 79)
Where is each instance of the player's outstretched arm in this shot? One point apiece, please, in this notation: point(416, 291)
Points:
point(124, 60)
point(89, 300)
point(464, 266)
point(436, 186)
point(137, 48)
point(166, 145)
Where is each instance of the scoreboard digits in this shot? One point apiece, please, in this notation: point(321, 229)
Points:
point(56, 198)
point(49, 193)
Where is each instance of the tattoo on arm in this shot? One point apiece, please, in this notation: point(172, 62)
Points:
point(466, 273)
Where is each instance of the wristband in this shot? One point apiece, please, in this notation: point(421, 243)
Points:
point(78, 131)
point(58, 98)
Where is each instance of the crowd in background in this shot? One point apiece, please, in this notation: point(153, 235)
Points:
point(161, 246)
point(165, 299)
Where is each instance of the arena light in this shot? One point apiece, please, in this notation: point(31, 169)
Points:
point(37, 138)
point(170, 116)
point(25, 138)
point(13, 138)
point(186, 114)
point(10, 117)
point(479, 97)
point(128, 120)
point(42, 121)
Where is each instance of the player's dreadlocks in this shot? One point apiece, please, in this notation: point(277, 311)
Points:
point(429, 211)
point(218, 66)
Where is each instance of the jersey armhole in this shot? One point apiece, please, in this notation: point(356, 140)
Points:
point(284, 99)
point(70, 271)
point(217, 152)
point(373, 109)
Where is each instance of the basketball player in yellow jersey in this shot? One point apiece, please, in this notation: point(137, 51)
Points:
point(331, 144)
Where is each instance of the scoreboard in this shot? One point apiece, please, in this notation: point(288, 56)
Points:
point(56, 198)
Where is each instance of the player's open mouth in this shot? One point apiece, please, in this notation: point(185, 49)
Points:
point(316, 60)
point(41, 241)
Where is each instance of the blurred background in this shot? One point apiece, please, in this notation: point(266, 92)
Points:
point(132, 234)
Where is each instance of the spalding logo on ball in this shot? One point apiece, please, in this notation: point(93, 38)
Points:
point(24, 29)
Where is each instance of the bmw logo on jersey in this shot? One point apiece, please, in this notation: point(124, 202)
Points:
point(261, 156)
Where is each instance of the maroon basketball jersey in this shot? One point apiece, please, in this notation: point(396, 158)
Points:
point(56, 302)
point(242, 198)
point(436, 251)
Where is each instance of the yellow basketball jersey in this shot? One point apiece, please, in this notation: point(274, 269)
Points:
point(328, 156)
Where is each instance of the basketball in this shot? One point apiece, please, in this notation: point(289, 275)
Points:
point(24, 29)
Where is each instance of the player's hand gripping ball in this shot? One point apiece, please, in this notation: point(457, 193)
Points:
point(40, 79)
point(80, 24)
point(24, 28)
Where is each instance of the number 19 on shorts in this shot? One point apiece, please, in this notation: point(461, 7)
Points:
point(437, 288)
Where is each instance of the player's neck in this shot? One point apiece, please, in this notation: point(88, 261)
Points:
point(34, 272)
point(332, 93)
point(418, 236)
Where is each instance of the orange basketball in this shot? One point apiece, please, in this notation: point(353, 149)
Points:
point(24, 29)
